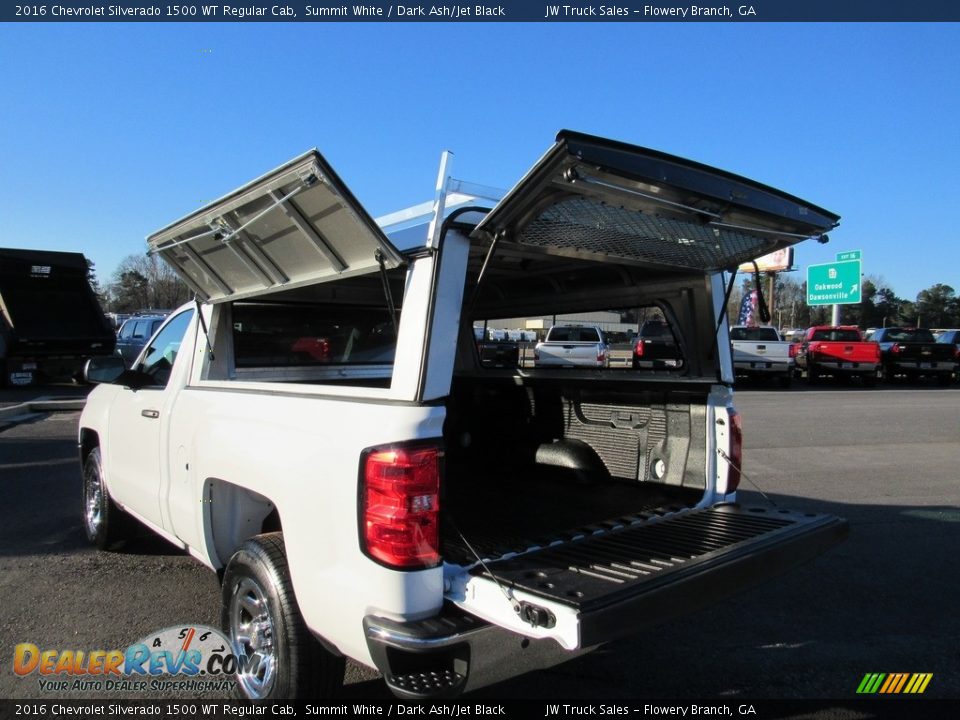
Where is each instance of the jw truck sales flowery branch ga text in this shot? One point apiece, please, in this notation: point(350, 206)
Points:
point(566, 710)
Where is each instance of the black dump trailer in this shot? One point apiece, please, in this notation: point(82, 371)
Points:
point(50, 319)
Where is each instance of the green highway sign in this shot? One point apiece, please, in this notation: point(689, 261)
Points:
point(849, 255)
point(836, 283)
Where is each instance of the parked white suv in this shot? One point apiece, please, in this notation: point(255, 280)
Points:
point(319, 427)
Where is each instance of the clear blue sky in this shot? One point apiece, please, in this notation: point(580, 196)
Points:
point(110, 131)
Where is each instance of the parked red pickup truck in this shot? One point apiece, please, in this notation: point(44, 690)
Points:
point(839, 351)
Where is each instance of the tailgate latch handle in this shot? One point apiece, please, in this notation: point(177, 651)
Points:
point(536, 616)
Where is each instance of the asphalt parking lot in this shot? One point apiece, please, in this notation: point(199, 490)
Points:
point(884, 601)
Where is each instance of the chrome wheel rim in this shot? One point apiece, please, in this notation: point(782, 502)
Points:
point(253, 640)
point(93, 502)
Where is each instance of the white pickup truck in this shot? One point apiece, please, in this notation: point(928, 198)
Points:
point(572, 346)
point(318, 427)
point(759, 352)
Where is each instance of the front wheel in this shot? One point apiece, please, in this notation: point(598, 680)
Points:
point(277, 656)
point(104, 523)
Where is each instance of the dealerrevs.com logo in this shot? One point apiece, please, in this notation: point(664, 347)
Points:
point(193, 657)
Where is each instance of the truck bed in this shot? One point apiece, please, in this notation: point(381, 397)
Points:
point(532, 463)
point(511, 515)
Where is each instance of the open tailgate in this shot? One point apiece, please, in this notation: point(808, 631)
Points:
point(297, 225)
point(600, 586)
point(597, 199)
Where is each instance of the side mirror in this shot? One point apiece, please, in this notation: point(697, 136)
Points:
point(104, 369)
point(112, 370)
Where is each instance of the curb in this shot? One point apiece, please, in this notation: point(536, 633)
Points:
point(26, 410)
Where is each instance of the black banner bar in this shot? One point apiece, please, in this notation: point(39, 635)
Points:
point(881, 708)
point(505, 11)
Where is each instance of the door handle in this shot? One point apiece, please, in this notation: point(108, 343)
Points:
point(152, 414)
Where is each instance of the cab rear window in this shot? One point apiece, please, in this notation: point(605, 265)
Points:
point(573, 334)
point(298, 334)
point(836, 335)
point(909, 335)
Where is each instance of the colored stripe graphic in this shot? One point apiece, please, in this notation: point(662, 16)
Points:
point(870, 683)
point(894, 683)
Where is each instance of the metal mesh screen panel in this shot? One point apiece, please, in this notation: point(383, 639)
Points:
point(585, 225)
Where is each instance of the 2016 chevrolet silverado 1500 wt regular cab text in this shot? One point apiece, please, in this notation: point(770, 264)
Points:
point(318, 426)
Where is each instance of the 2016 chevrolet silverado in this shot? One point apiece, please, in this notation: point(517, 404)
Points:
point(319, 427)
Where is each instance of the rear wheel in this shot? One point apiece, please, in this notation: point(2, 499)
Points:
point(944, 379)
point(279, 658)
point(786, 380)
point(813, 377)
point(104, 523)
point(869, 380)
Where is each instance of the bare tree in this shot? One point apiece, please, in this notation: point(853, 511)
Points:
point(144, 282)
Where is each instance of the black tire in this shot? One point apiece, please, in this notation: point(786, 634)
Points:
point(944, 379)
point(786, 380)
point(104, 523)
point(813, 377)
point(261, 618)
point(869, 380)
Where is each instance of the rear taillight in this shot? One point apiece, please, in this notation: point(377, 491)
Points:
point(638, 348)
point(895, 349)
point(794, 347)
point(736, 452)
point(876, 352)
point(536, 353)
point(601, 354)
point(400, 506)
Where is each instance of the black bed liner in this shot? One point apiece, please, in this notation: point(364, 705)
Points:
point(670, 565)
point(497, 519)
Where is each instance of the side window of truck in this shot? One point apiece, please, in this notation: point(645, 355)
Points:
point(314, 342)
point(126, 332)
point(162, 352)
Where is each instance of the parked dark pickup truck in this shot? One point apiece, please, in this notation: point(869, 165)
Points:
point(913, 352)
point(50, 319)
point(952, 338)
point(839, 351)
point(656, 347)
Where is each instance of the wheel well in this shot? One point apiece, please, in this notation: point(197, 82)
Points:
point(88, 441)
point(234, 514)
